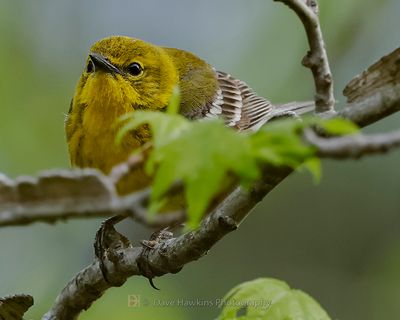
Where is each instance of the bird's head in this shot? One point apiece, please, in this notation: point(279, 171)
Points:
point(124, 71)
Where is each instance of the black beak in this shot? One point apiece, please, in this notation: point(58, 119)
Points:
point(101, 63)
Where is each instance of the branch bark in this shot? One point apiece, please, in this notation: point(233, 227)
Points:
point(14, 307)
point(64, 194)
point(317, 58)
point(167, 256)
point(353, 146)
point(375, 92)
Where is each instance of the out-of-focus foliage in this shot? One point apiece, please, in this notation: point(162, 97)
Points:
point(339, 240)
point(269, 299)
point(202, 154)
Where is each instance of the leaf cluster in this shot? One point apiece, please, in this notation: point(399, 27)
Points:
point(269, 299)
point(202, 154)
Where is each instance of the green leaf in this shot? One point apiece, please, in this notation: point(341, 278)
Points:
point(338, 126)
point(204, 154)
point(202, 157)
point(279, 143)
point(269, 299)
point(164, 126)
point(313, 165)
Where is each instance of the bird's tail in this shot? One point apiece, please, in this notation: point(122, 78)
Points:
point(293, 109)
point(290, 110)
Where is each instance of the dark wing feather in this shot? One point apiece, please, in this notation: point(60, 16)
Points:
point(238, 105)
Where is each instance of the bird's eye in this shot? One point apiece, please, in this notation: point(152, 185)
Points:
point(90, 66)
point(135, 69)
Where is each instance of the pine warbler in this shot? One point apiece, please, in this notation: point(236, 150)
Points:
point(124, 74)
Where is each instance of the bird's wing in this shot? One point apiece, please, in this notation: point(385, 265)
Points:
point(238, 105)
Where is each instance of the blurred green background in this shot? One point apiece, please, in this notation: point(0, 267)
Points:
point(339, 240)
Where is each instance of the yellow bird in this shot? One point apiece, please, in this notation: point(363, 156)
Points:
point(124, 74)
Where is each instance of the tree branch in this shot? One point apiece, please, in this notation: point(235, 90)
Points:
point(14, 307)
point(353, 146)
point(317, 58)
point(63, 194)
point(167, 256)
point(375, 92)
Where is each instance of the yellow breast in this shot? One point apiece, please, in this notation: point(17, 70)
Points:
point(92, 125)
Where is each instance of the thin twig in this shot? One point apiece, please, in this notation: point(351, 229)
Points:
point(123, 169)
point(317, 58)
point(353, 146)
